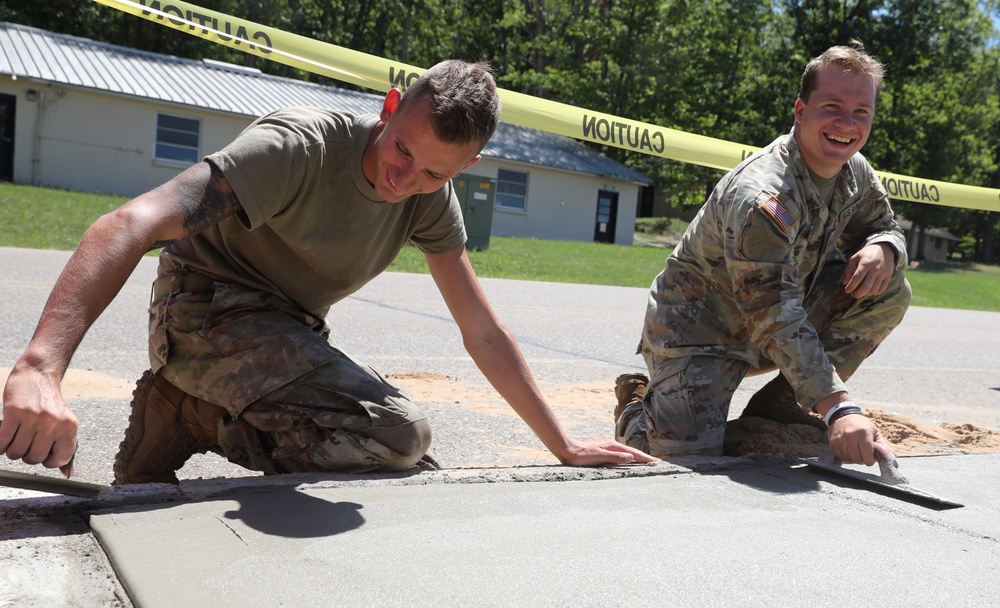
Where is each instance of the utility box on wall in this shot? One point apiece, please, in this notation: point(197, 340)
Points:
point(476, 194)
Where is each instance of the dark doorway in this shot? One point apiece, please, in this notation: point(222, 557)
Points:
point(7, 105)
point(607, 212)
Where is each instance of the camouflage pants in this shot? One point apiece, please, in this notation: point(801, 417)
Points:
point(687, 401)
point(289, 399)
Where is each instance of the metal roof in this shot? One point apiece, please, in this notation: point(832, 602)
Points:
point(44, 56)
point(512, 142)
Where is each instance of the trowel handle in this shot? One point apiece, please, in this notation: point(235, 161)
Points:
point(889, 467)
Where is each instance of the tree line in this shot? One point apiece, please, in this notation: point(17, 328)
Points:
point(728, 69)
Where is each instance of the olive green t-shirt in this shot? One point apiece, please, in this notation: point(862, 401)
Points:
point(312, 229)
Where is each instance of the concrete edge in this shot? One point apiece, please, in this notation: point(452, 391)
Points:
point(116, 497)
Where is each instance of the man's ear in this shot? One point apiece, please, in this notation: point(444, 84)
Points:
point(471, 162)
point(799, 107)
point(390, 104)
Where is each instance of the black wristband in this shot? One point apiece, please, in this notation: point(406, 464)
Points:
point(845, 411)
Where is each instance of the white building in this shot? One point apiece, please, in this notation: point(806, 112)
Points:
point(938, 243)
point(84, 115)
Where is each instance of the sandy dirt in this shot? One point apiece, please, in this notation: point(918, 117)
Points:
point(908, 436)
point(586, 411)
point(579, 407)
point(81, 384)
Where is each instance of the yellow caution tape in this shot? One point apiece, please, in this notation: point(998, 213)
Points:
point(382, 74)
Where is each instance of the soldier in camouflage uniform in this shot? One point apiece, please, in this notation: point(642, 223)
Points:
point(794, 263)
point(259, 240)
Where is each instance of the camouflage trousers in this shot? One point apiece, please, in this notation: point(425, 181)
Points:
point(289, 399)
point(686, 405)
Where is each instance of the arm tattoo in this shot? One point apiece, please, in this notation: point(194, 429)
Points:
point(203, 197)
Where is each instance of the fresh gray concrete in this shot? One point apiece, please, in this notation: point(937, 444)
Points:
point(696, 532)
point(737, 537)
point(728, 532)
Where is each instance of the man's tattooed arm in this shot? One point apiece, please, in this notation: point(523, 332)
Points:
point(201, 195)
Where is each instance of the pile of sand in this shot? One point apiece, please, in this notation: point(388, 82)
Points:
point(908, 436)
point(913, 438)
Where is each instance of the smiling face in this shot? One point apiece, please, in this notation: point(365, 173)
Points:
point(406, 157)
point(836, 121)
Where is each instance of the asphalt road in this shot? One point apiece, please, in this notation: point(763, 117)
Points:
point(721, 532)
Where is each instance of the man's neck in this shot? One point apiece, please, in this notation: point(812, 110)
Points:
point(825, 185)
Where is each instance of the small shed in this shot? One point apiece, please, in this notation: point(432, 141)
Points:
point(938, 243)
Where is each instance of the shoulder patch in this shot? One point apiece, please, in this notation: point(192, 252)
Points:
point(779, 213)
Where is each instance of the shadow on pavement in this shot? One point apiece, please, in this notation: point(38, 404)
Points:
point(291, 513)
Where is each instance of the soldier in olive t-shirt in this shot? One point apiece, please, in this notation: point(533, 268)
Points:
point(259, 240)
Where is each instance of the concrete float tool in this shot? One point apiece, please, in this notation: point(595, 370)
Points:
point(889, 478)
point(51, 485)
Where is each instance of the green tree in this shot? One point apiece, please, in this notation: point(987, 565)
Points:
point(940, 100)
point(721, 69)
point(728, 69)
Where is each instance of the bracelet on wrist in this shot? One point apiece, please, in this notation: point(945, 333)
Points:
point(844, 408)
point(847, 411)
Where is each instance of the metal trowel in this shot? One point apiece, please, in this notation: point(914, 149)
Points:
point(888, 479)
point(52, 485)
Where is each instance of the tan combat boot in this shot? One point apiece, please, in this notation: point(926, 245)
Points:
point(776, 401)
point(629, 388)
point(167, 426)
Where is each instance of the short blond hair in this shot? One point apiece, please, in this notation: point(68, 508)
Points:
point(852, 59)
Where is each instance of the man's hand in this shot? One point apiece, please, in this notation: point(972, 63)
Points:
point(855, 439)
point(869, 270)
point(37, 426)
point(603, 452)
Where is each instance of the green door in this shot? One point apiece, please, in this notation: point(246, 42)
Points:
point(476, 195)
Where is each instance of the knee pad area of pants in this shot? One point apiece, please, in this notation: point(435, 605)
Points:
point(410, 441)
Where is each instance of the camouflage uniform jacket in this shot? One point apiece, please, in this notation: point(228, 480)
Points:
point(736, 283)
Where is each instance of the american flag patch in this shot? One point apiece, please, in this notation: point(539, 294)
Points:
point(776, 210)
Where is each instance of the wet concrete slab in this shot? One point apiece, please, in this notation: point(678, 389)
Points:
point(730, 532)
point(716, 533)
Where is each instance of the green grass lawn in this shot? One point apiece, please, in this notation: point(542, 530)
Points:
point(935, 284)
point(558, 261)
point(43, 218)
point(953, 285)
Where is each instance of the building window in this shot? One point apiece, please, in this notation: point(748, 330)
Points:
point(512, 189)
point(177, 138)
